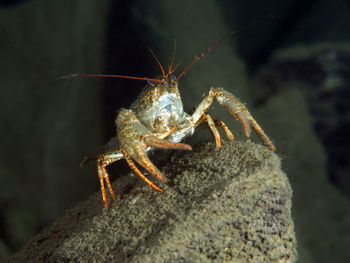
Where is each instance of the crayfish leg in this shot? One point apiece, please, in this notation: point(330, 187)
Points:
point(212, 125)
point(137, 171)
point(226, 129)
point(102, 162)
point(206, 117)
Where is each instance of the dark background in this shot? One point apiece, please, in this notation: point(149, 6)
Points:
point(50, 124)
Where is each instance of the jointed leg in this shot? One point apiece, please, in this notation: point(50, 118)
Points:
point(225, 128)
point(236, 108)
point(241, 113)
point(133, 166)
point(212, 125)
point(102, 162)
point(206, 117)
point(135, 140)
point(166, 134)
point(139, 155)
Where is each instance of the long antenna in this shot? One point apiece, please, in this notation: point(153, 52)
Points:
point(172, 60)
point(200, 56)
point(158, 62)
point(171, 69)
point(75, 75)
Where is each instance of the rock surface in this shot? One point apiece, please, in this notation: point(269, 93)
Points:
point(231, 204)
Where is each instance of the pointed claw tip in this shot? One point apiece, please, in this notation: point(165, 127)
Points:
point(246, 130)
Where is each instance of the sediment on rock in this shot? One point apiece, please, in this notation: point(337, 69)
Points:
point(219, 205)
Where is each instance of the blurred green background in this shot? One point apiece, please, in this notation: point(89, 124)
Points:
point(291, 67)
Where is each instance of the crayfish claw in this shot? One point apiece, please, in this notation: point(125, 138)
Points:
point(260, 132)
point(165, 144)
point(241, 113)
point(137, 171)
point(140, 156)
point(243, 117)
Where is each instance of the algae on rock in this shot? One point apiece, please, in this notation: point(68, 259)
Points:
point(226, 204)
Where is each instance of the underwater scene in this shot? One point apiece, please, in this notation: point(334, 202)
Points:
point(175, 131)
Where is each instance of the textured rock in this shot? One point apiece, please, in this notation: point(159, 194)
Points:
point(219, 205)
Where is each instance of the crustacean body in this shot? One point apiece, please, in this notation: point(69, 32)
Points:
point(157, 120)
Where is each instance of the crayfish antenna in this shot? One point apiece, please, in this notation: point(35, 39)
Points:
point(170, 71)
point(69, 76)
point(200, 56)
point(158, 62)
point(77, 75)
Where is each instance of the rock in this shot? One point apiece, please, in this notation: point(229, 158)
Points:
point(231, 204)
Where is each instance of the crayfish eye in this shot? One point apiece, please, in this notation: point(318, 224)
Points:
point(150, 82)
point(173, 77)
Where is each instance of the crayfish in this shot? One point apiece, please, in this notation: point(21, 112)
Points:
point(157, 120)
